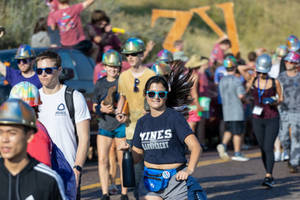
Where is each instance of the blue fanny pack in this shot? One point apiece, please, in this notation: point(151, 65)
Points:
point(156, 180)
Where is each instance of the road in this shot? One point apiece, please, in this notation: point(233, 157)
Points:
point(221, 180)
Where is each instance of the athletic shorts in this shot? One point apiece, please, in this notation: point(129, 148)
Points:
point(193, 116)
point(235, 127)
point(176, 190)
point(117, 133)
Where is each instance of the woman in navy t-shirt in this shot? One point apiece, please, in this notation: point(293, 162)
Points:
point(160, 138)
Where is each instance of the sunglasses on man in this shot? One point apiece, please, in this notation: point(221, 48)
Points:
point(132, 54)
point(24, 61)
point(136, 83)
point(48, 70)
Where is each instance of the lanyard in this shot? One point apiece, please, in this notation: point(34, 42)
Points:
point(259, 91)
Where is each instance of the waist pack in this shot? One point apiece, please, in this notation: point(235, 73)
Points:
point(156, 180)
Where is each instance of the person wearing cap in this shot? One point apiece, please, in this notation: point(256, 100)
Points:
point(104, 101)
point(130, 87)
point(289, 132)
point(162, 64)
point(194, 64)
point(293, 44)
point(267, 94)
point(40, 146)
point(232, 93)
point(23, 177)
point(25, 59)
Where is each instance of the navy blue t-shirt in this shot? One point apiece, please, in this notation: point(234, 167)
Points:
point(162, 138)
point(14, 77)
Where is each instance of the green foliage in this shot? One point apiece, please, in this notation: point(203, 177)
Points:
point(260, 23)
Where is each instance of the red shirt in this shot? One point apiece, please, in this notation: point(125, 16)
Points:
point(217, 54)
point(40, 146)
point(69, 24)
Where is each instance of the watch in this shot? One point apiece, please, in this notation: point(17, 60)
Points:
point(78, 168)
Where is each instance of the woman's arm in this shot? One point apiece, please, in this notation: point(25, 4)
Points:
point(243, 69)
point(279, 92)
point(192, 142)
point(194, 92)
point(137, 154)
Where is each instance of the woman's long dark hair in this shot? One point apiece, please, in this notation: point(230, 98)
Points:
point(178, 85)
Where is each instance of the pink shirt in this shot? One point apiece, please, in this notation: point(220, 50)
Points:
point(69, 24)
point(217, 54)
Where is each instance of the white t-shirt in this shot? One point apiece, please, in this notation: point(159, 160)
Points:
point(54, 115)
point(274, 72)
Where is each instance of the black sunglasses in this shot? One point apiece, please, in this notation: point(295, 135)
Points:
point(160, 94)
point(132, 54)
point(48, 70)
point(136, 83)
point(24, 61)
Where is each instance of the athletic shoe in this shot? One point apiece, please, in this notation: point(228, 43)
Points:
point(113, 189)
point(124, 197)
point(292, 169)
point(105, 197)
point(222, 153)
point(285, 156)
point(239, 157)
point(277, 156)
point(269, 182)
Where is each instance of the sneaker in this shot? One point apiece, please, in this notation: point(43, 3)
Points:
point(113, 189)
point(292, 169)
point(105, 197)
point(124, 197)
point(269, 182)
point(222, 152)
point(239, 157)
point(285, 156)
point(277, 156)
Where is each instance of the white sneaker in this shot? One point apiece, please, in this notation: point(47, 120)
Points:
point(285, 156)
point(277, 156)
point(222, 153)
point(241, 158)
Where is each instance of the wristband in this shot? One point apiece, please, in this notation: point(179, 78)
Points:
point(78, 168)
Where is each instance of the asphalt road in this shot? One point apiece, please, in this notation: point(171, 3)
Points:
point(221, 180)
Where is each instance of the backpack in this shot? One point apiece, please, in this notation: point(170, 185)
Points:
point(70, 106)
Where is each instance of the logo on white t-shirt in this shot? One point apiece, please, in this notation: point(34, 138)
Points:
point(61, 110)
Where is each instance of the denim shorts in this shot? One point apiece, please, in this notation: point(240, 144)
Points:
point(117, 133)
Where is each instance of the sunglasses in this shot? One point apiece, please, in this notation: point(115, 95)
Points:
point(132, 54)
point(48, 70)
point(160, 94)
point(260, 73)
point(136, 83)
point(24, 61)
point(291, 62)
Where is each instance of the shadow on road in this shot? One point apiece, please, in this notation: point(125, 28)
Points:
point(250, 190)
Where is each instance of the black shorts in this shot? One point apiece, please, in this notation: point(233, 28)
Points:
point(235, 127)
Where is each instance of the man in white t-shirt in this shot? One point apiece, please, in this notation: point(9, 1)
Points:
point(55, 116)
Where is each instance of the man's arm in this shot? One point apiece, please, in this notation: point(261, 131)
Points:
point(83, 132)
point(2, 69)
point(87, 3)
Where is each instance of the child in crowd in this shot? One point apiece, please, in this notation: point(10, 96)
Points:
point(105, 97)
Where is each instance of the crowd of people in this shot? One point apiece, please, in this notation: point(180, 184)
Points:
point(159, 111)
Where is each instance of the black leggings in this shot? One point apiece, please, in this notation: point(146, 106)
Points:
point(266, 131)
